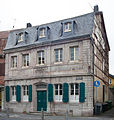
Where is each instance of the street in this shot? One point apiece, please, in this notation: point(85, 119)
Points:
point(108, 115)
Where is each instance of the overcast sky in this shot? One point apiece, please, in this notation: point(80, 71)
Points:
point(19, 12)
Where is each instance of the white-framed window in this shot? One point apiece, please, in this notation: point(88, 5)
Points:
point(74, 53)
point(13, 91)
point(25, 60)
point(42, 33)
point(25, 93)
point(67, 27)
point(58, 92)
point(41, 59)
point(74, 92)
point(110, 81)
point(13, 61)
point(20, 37)
point(58, 55)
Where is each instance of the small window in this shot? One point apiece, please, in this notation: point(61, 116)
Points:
point(110, 81)
point(13, 90)
point(74, 92)
point(41, 57)
point(42, 33)
point(74, 53)
point(67, 27)
point(58, 55)
point(58, 92)
point(14, 61)
point(20, 37)
point(25, 93)
point(26, 60)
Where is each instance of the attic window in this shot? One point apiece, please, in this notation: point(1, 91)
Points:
point(67, 27)
point(42, 33)
point(20, 38)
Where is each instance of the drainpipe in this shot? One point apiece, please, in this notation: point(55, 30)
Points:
point(92, 42)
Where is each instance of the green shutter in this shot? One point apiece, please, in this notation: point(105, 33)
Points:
point(18, 93)
point(50, 92)
point(7, 94)
point(30, 93)
point(82, 92)
point(65, 92)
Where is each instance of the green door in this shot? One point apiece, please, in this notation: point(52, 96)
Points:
point(41, 100)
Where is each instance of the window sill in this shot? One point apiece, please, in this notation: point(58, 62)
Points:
point(13, 101)
point(13, 68)
point(40, 64)
point(24, 67)
point(67, 31)
point(58, 63)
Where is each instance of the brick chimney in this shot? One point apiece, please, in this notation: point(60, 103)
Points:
point(96, 8)
point(29, 25)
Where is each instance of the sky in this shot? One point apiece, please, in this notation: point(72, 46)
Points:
point(19, 12)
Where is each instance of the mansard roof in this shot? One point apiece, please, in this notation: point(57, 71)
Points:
point(83, 26)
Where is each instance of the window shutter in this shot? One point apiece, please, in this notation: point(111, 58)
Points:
point(7, 94)
point(18, 93)
point(65, 92)
point(30, 93)
point(50, 92)
point(82, 92)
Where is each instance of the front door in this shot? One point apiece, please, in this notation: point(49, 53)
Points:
point(41, 100)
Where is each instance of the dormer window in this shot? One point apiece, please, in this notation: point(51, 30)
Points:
point(42, 33)
point(20, 38)
point(67, 27)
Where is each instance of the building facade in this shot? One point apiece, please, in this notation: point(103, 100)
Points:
point(3, 39)
point(53, 66)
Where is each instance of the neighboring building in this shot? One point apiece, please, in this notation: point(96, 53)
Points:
point(3, 40)
point(54, 66)
point(111, 90)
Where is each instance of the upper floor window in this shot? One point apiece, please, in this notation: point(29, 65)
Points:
point(58, 55)
point(74, 53)
point(13, 90)
point(25, 93)
point(58, 92)
point(74, 92)
point(110, 81)
point(41, 57)
point(20, 37)
point(67, 27)
point(14, 61)
point(26, 60)
point(42, 33)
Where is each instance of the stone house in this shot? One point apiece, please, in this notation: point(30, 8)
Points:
point(53, 66)
point(3, 39)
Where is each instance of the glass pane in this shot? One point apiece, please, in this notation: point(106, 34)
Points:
point(76, 53)
point(72, 53)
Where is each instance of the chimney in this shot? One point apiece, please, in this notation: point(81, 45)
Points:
point(29, 25)
point(96, 8)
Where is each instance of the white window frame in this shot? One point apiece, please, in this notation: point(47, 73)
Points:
point(42, 33)
point(13, 93)
point(75, 53)
point(67, 27)
point(26, 60)
point(13, 61)
point(74, 97)
point(58, 93)
point(20, 38)
point(41, 61)
point(59, 53)
point(25, 93)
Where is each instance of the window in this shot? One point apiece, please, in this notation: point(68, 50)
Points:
point(110, 81)
point(25, 93)
point(26, 60)
point(67, 27)
point(58, 55)
point(20, 37)
point(14, 61)
point(40, 57)
point(103, 65)
point(74, 92)
point(13, 90)
point(58, 92)
point(42, 33)
point(74, 53)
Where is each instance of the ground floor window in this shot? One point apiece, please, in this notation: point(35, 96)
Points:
point(25, 93)
point(13, 95)
point(58, 93)
point(74, 92)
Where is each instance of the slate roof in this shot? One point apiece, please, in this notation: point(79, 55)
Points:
point(84, 26)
